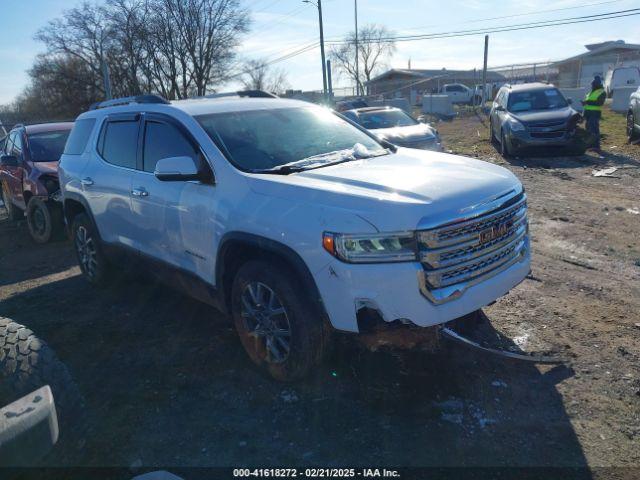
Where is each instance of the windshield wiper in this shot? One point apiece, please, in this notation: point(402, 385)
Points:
point(357, 152)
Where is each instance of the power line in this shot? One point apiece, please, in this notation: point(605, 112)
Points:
point(506, 28)
point(268, 6)
point(523, 14)
point(283, 17)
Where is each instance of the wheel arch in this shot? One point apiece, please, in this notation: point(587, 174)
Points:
point(72, 206)
point(237, 248)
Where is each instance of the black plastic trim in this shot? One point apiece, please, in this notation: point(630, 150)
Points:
point(289, 255)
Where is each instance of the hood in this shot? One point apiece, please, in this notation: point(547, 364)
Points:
point(50, 168)
point(397, 191)
point(544, 115)
point(410, 133)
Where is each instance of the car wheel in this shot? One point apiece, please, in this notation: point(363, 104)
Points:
point(26, 364)
point(505, 149)
point(44, 220)
point(272, 315)
point(492, 134)
point(93, 263)
point(632, 133)
point(13, 212)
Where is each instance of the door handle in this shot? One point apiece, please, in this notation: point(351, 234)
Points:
point(139, 192)
point(86, 181)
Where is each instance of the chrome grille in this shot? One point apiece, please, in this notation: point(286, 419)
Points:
point(455, 256)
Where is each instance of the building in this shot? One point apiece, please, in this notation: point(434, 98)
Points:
point(578, 71)
point(409, 83)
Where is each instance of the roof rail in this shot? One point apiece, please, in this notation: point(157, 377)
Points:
point(243, 93)
point(129, 100)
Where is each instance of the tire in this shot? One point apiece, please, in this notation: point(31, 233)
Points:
point(296, 332)
point(13, 212)
point(505, 150)
point(94, 265)
point(44, 219)
point(492, 134)
point(26, 364)
point(632, 133)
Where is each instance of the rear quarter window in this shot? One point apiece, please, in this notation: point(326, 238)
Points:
point(79, 136)
point(118, 142)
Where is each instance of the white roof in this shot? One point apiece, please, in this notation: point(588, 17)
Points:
point(202, 106)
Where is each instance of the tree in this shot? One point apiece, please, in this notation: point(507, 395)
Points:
point(374, 50)
point(258, 76)
point(177, 48)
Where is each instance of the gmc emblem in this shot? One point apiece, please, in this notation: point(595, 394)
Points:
point(494, 232)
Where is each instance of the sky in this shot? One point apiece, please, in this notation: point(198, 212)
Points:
point(281, 26)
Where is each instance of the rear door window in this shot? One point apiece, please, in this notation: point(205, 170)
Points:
point(118, 143)
point(163, 140)
point(79, 136)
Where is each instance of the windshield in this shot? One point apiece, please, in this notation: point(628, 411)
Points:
point(260, 140)
point(385, 119)
point(47, 146)
point(547, 99)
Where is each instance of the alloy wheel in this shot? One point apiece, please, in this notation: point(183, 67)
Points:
point(86, 248)
point(266, 320)
point(39, 222)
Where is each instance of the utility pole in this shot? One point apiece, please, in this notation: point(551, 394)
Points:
point(329, 84)
point(324, 69)
point(484, 70)
point(355, 5)
point(106, 79)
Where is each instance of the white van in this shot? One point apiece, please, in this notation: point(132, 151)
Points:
point(621, 77)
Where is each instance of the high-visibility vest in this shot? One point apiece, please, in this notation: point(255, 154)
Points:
point(592, 97)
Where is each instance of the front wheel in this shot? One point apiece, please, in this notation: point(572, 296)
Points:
point(505, 149)
point(93, 263)
point(278, 326)
point(632, 133)
point(44, 220)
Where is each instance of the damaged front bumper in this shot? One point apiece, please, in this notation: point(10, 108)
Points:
point(376, 334)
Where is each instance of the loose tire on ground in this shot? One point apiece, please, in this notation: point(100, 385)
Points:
point(44, 219)
point(13, 212)
point(307, 339)
point(93, 263)
point(26, 364)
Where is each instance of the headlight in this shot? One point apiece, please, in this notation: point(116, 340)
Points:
point(516, 126)
point(371, 248)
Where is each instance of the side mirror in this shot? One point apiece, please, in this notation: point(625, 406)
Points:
point(500, 108)
point(9, 160)
point(570, 101)
point(173, 169)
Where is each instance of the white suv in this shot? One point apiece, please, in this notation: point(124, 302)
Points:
point(290, 218)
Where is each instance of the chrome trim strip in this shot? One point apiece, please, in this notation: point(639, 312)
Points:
point(461, 241)
point(432, 258)
point(431, 238)
point(434, 277)
point(546, 359)
point(446, 294)
point(499, 202)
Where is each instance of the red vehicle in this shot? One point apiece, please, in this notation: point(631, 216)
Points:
point(29, 176)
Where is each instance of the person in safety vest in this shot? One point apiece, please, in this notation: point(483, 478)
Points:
point(593, 109)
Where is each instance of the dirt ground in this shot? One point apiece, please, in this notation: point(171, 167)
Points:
point(167, 384)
